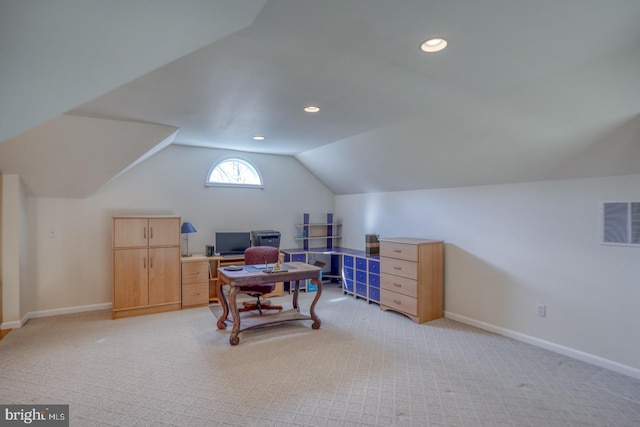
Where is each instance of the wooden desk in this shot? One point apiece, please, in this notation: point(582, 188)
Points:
point(297, 271)
point(217, 262)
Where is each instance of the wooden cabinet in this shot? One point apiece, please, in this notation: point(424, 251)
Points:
point(195, 281)
point(146, 265)
point(411, 277)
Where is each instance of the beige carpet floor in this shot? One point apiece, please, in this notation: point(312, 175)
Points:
point(364, 367)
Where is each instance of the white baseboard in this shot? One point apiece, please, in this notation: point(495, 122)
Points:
point(15, 324)
point(556, 348)
point(54, 312)
point(69, 310)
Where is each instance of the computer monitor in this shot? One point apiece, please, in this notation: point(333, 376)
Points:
point(232, 242)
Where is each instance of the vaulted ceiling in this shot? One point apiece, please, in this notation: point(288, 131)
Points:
point(524, 91)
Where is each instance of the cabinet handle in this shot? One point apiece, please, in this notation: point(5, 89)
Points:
point(397, 251)
point(195, 273)
point(151, 232)
point(150, 262)
point(397, 285)
point(397, 268)
point(397, 302)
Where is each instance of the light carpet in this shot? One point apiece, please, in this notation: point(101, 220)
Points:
point(364, 367)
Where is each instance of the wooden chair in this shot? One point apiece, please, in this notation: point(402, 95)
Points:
point(259, 255)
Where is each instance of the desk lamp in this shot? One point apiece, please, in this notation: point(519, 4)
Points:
point(186, 229)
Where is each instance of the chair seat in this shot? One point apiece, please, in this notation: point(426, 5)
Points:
point(258, 289)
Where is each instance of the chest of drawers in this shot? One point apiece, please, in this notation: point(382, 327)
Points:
point(195, 282)
point(411, 277)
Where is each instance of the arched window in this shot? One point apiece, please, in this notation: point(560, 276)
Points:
point(234, 172)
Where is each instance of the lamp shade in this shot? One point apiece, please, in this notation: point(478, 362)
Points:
point(188, 228)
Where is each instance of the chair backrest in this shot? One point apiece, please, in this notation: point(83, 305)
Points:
point(261, 255)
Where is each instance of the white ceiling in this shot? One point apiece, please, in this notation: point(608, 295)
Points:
point(524, 91)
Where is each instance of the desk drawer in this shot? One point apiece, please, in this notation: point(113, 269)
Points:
point(399, 267)
point(197, 294)
point(399, 302)
point(195, 272)
point(399, 251)
point(398, 284)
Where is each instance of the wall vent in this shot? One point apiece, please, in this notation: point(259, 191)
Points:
point(621, 223)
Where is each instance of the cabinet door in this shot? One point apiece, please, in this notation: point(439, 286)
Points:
point(164, 231)
point(130, 232)
point(130, 278)
point(164, 275)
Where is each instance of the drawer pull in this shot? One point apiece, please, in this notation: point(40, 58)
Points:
point(195, 273)
point(397, 268)
point(397, 302)
point(397, 285)
point(398, 251)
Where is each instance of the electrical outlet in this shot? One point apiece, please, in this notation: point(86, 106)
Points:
point(541, 310)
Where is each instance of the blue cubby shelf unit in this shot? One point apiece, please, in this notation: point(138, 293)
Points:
point(358, 273)
point(361, 275)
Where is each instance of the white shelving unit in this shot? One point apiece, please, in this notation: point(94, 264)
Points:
point(328, 231)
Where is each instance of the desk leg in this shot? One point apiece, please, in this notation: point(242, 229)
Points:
point(234, 339)
point(225, 306)
point(296, 292)
point(312, 312)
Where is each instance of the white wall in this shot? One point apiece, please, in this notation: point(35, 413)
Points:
point(15, 260)
point(509, 247)
point(70, 244)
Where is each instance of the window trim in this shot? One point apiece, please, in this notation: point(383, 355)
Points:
point(246, 162)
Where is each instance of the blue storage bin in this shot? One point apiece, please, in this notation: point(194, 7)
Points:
point(374, 280)
point(374, 266)
point(374, 295)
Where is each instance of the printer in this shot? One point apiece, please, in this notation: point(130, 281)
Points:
point(265, 238)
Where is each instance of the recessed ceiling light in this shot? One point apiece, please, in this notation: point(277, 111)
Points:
point(258, 138)
point(311, 109)
point(433, 45)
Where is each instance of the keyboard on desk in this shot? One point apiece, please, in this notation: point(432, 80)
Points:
point(232, 255)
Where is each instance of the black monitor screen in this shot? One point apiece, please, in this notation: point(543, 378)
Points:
point(232, 243)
